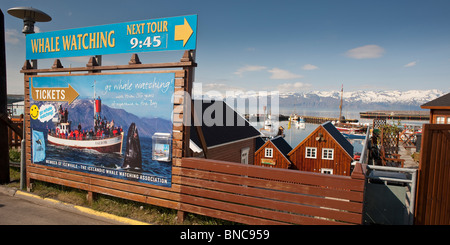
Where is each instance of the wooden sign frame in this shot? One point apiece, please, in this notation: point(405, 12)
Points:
point(92, 183)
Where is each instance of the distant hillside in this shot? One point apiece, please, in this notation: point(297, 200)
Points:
point(82, 112)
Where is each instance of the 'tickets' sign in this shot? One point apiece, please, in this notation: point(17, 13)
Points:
point(117, 125)
point(174, 33)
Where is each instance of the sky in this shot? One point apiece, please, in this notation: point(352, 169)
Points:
point(285, 46)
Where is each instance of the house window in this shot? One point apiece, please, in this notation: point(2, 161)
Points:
point(268, 152)
point(326, 171)
point(440, 120)
point(327, 153)
point(311, 152)
point(448, 120)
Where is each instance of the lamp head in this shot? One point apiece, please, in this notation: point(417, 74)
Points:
point(29, 16)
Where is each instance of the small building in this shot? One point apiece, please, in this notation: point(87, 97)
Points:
point(273, 153)
point(228, 136)
point(439, 109)
point(325, 150)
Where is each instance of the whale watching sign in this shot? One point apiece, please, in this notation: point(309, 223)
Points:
point(164, 34)
point(119, 125)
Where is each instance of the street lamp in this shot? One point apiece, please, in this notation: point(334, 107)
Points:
point(29, 16)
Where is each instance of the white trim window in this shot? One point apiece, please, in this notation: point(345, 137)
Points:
point(327, 153)
point(440, 120)
point(311, 152)
point(268, 152)
point(326, 171)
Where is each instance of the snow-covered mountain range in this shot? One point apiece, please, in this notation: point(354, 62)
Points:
point(408, 97)
point(357, 100)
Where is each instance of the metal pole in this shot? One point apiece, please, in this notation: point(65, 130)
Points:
point(22, 166)
point(413, 197)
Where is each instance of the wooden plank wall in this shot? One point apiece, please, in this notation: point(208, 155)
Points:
point(269, 196)
point(433, 184)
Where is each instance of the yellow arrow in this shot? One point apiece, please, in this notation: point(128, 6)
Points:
point(68, 94)
point(183, 32)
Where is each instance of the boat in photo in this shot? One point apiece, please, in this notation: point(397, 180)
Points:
point(343, 126)
point(105, 137)
point(301, 124)
point(298, 122)
point(103, 145)
point(270, 129)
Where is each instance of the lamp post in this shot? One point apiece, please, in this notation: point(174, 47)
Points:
point(29, 16)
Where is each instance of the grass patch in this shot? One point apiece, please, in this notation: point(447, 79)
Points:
point(14, 155)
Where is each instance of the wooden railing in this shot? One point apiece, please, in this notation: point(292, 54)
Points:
point(14, 138)
point(256, 195)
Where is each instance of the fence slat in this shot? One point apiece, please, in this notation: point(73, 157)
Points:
point(433, 202)
point(252, 190)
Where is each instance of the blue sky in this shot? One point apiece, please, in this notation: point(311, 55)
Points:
point(274, 45)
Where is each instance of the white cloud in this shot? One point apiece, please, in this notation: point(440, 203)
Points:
point(410, 64)
point(37, 29)
point(12, 36)
point(309, 67)
point(291, 87)
point(366, 52)
point(219, 87)
point(248, 68)
point(278, 73)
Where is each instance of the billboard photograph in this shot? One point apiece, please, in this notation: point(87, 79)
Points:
point(115, 125)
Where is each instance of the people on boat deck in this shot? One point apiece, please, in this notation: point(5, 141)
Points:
point(102, 128)
point(63, 115)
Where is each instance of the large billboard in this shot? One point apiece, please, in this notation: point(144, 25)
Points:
point(115, 125)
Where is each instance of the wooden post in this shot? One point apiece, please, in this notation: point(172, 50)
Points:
point(187, 102)
point(90, 197)
point(181, 215)
point(188, 89)
point(94, 61)
point(26, 122)
point(4, 148)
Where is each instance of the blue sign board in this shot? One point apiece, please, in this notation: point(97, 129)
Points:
point(165, 34)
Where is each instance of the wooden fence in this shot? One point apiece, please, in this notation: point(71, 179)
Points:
point(14, 139)
point(241, 193)
point(257, 195)
point(433, 199)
